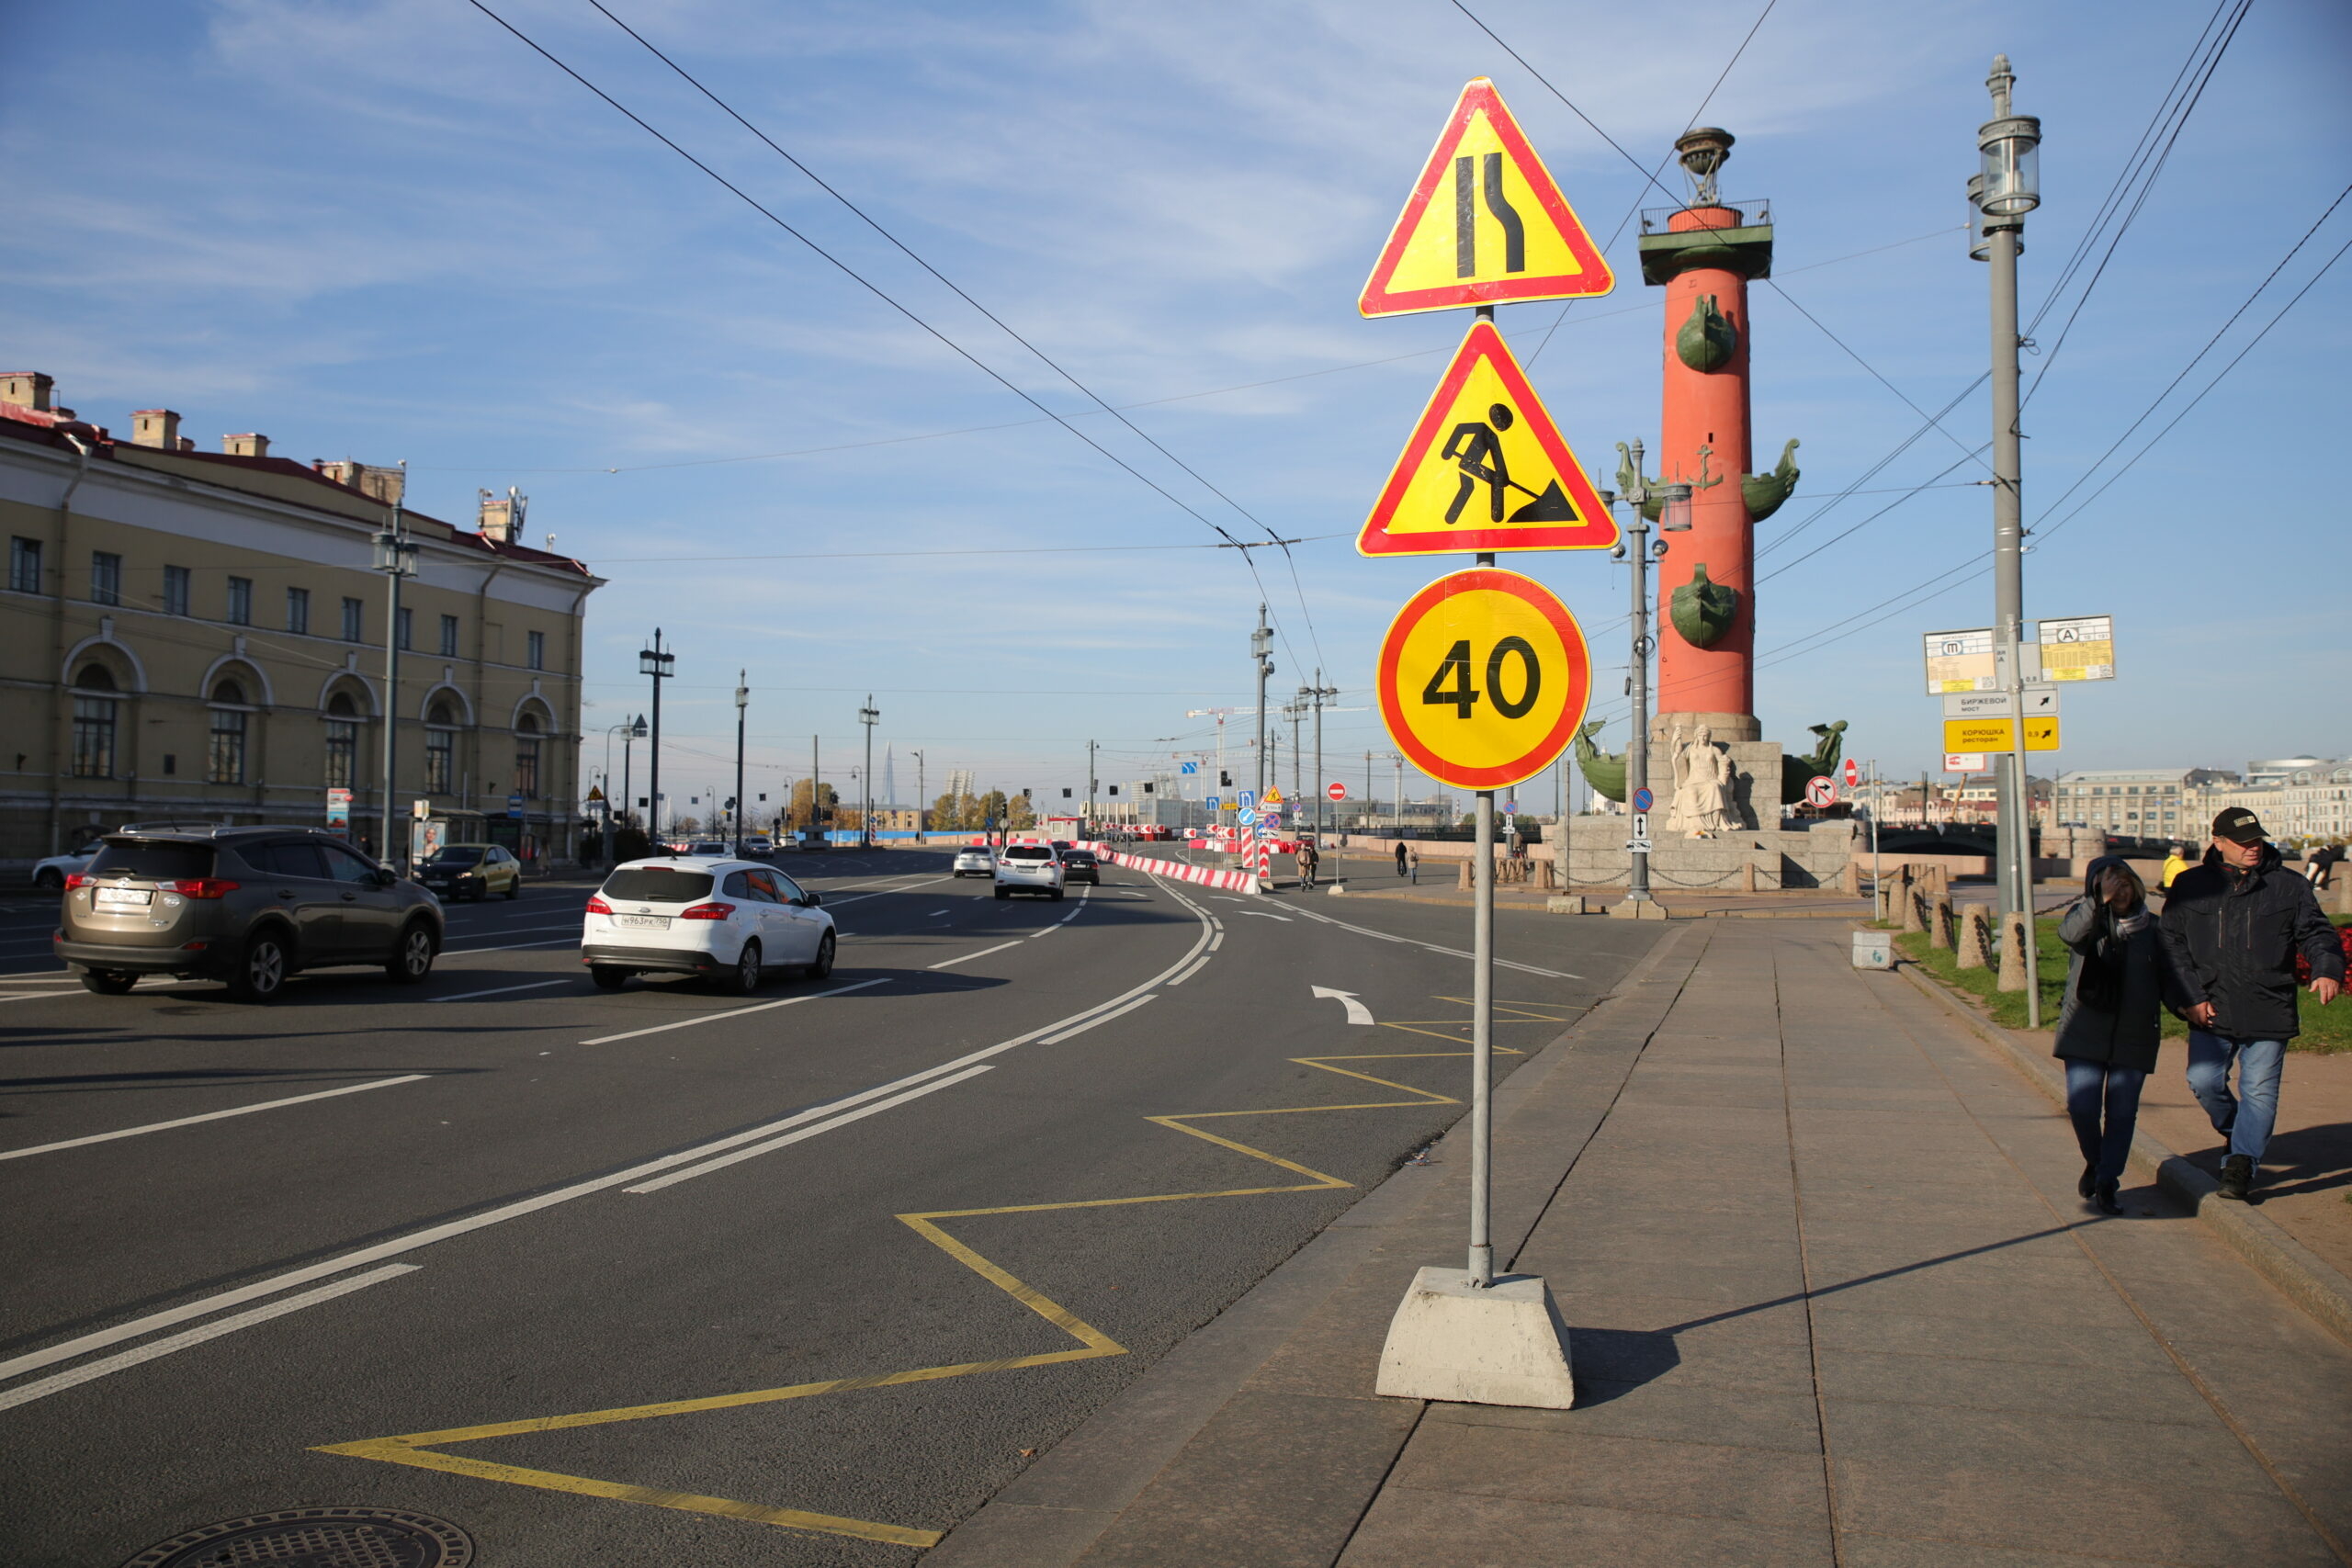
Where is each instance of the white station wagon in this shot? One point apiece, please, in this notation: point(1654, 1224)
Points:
point(729, 920)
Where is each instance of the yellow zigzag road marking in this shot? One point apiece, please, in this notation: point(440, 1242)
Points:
point(420, 1450)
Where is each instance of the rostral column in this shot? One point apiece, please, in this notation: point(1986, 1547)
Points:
point(1703, 258)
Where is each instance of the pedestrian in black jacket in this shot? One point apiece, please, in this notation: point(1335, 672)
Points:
point(2117, 986)
point(2232, 926)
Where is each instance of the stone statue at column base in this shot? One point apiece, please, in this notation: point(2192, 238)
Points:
point(1704, 803)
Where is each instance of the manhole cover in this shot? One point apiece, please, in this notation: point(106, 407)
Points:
point(318, 1537)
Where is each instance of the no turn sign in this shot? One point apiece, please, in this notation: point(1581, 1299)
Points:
point(1821, 790)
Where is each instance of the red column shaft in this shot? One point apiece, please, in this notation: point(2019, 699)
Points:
point(1707, 408)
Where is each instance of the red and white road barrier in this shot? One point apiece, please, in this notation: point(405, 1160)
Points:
point(1231, 880)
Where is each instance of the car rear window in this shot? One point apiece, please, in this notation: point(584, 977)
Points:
point(658, 885)
point(1079, 857)
point(152, 860)
point(1028, 852)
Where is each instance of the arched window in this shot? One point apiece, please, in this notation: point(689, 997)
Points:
point(94, 723)
point(342, 740)
point(526, 756)
point(227, 759)
point(440, 748)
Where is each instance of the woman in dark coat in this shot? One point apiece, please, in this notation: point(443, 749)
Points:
point(2116, 986)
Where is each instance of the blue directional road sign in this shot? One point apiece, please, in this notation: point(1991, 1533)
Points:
point(1215, 803)
point(1644, 800)
point(1192, 767)
point(1248, 818)
point(1248, 797)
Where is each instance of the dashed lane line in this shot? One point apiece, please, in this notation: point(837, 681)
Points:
point(983, 953)
point(674, 1178)
point(209, 1116)
point(502, 990)
point(731, 1013)
point(1433, 947)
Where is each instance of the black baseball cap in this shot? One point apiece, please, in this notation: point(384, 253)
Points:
point(2239, 826)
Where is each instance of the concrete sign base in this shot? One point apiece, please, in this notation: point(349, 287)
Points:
point(1501, 1345)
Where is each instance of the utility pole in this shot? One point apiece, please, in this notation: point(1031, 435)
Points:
point(742, 702)
point(868, 716)
point(2007, 188)
point(659, 664)
point(1261, 642)
point(1321, 692)
point(1090, 788)
point(1674, 516)
point(922, 805)
point(396, 558)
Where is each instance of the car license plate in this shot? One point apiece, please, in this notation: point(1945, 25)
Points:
point(124, 898)
point(643, 922)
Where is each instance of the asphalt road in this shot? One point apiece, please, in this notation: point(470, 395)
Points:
point(666, 1276)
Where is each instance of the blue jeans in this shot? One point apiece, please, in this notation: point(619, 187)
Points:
point(2247, 1118)
point(2092, 1086)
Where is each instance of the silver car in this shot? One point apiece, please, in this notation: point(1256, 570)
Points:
point(976, 860)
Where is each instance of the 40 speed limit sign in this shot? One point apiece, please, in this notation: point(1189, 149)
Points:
point(1483, 678)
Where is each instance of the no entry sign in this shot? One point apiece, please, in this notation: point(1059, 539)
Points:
point(1483, 676)
point(1337, 792)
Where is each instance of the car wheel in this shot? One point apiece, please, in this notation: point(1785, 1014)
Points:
point(514, 888)
point(745, 977)
point(107, 982)
point(607, 977)
point(412, 961)
point(1004, 892)
point(825, 963)
point(261, 968)
point(1055, 894)
point(50, 880)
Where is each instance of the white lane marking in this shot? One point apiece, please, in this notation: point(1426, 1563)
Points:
point(502, 990)
point(674, 1178)
point(209, 1116)
point(1218, 940)
point(983, 953)
point(732, 1012)
point(523, 931)
point(42, 995)
point(1265, 915)
point(24, 1393)
point(1198, 964)
point(1357, 1011)
point(59, 979)
point(1047, 930)
point(1089, 1023)
point(879, 891)
point(34, 1360)
point(935, 914)
point(510, 947)
point(1449, 951)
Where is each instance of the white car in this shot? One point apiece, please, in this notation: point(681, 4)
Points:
point(975, 860)
point(708, 915)
point(1029, 868)
point(49, 875)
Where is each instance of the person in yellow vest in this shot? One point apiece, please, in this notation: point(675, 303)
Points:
point(2175, 863)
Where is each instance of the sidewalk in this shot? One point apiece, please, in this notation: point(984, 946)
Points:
point(1832, 1298)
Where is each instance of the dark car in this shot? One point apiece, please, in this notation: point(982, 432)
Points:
point(1079, 865)
point(250, 906)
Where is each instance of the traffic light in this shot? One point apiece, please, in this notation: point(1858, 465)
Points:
point(1224, 779)
point(1147, 786)
point(1065, 793)
point(1115, 789)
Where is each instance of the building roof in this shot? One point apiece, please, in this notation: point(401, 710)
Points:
point(279, 479)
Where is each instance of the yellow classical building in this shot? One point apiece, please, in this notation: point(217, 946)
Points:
point(194, 636)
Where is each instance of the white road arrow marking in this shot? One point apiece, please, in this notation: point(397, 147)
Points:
point(1357, 1011)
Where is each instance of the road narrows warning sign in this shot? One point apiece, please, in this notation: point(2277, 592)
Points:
point(1484, 224)
point(1486, 469)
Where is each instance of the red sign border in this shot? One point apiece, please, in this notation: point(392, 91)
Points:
point(1378, 299)
point(1483, 342)
point(1556, 741)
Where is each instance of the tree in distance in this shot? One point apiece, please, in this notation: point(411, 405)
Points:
point(796, 815)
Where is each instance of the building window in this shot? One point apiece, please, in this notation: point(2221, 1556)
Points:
point(241, 600)
point(526, 757)
point(353, 619)
point(227, 760)
point(535, 647)
point(94, 722)
point(176, 591)
point(106, 578)
point(24, 565)
point(440, 750)
point(343, 741)
point(407, 628)
point(298, 611)
point(448, 636)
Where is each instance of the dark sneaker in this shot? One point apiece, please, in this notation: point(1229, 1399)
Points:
point(2237, 1175)
point(2104, 1197)
point(2090, 1177)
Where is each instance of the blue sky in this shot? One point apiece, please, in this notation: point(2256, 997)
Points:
point(389, 231)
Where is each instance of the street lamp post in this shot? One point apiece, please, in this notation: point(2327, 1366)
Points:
point(1262, 643)
point(742, 702)
point(396, 558)
point(2006, 187)
point(1322, 794)
point(631, 733)
point(923, 804)
point(659, 664)
point(868, 716)
point(1673, 517)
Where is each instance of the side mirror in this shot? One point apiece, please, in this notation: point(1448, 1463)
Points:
point(385, 879)
point(812, 901)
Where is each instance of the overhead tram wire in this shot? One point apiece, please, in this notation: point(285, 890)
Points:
point(1893, 452)
point(1001, 326)
point(851, 272)
point(1935, 420)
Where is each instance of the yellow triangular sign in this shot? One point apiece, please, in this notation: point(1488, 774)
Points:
point(1486, 469)
point(596, 793)
point(1272, 797)
point(1485, 225)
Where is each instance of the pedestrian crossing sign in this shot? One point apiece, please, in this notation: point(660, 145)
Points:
point(1484, 224)
point(1486, 469)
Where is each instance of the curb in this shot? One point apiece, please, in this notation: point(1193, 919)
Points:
point(2307, 1278)
point(1056, 1512)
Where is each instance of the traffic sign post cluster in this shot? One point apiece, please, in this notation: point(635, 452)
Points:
point(1483, 675)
